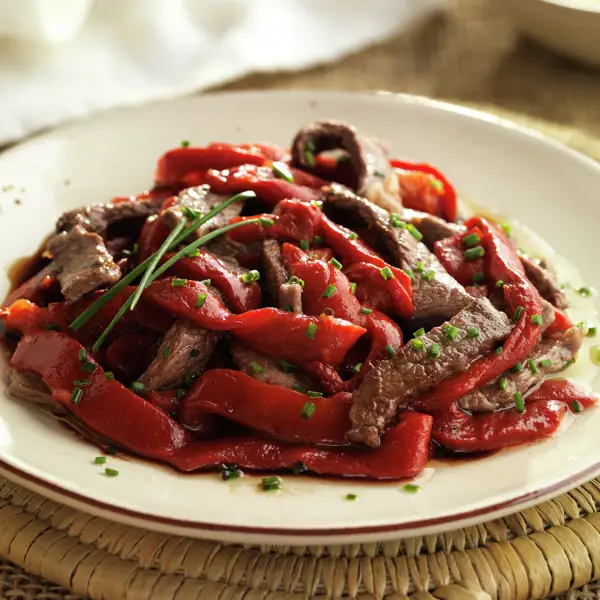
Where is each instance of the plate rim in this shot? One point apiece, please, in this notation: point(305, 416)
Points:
point(219, 531)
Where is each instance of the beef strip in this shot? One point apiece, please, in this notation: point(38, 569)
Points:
point(185, 350)
point(544, 280)
point(558, 349)
point(436, 299)
point(283, 293)
point(83, 261)
point(250, 362)
point(411, 371)
point(201, 200)
point(368, 157)
point(433, 228)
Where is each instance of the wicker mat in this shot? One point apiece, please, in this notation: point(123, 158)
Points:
point(473, 56)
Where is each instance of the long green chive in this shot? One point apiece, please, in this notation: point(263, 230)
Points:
point(308, 410)
point(194, 254)
point(545, 363)
point(357, 367)
point(366, 311)
point(474, 253)
point(76, 395)
point(299, 467)
point(312, 394)
point(189, 212)
point(519, 402)
point(450, 332)
point(419, 332)
point(417, 344)
point(517, 368)
point(353, 287)
point(281, 170)
point(434, 350)
point(304, 244)
point(396, 221)
point(420, 267)
point(311, 331)
point(471, 240)
point(536, 319)
point(411, 488)
point(309, 157)
point(410, 274)
point(266, 221)
point(82, 383)
point(576, 406)
point(473, 332)
point(138, 386)
point(414, 232)
point(296, 280)
point(330, 291)
point(299, 388)
point(256, 368)
point(336, 263)
point(503, 383)
point(350, 497)
point(200, 300)
point(390, 350)
point(250, 276)
point(100, 460)
point(110, 472)
point(272, 484)
point(518, 312)
point(584, 291)
point(532, 366)
point(166, 352)
point(429, 275)
point(478, 278)
point(285, 366)
point(108, 375)
point(386, 273)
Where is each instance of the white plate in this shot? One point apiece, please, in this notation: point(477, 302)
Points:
point(544, 184)
point(571, 27)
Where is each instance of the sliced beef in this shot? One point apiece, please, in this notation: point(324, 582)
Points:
point(544, 280)
point(367, 156)
point(433, 228)
point(412, 370)
point(436, 299)
point(84, 262)
point(201, 200)
point(284, 294)
point(31, 388)
point(185, 350)
point(551, 355)
point(268, 370)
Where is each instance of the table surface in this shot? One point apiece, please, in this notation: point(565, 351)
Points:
point(470, 55)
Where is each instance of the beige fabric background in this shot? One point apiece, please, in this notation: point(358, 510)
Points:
point(471, 55)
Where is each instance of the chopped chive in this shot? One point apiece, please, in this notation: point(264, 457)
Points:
point(312, 394)
point(250, 276)
point(82, 383)
point(304, 244)
point(417, 344)
point(410, 274)
point(180, 393)
point(111, 450)
point(419, 332)
point(429, 275)
point(206, 283)
point(532, 366)
point(588, 329)
point(411, 488)
point(229, 474)
point(76, 395)
point(185, 144)
point(296, 280)
point(110, 472)
point(308, 410)
point(311, 331)
point(285, 366)
point(299, 388)
point(414, 232)
point(471, 240)
point(576, 406)
point(350, 497)
point(336, 263)
point(499, 283)
point(82, 355)
point(545, 363)
point(309, 157)
point(344, 158)
point(193, 253)
point(256, 368)
point(503, 383)
point(366, 311)
point(584, 291)
point(519, 402)
point(281, 170)
point(450, 332)
point(474, 253)
point(52, 327)
point(317, 240)
point(287, 307)
point(396, 221)
point(536, 319)
point(89, 366)
point(518, 312)
point(330, 291)
point(390, 350)
point(200, 300)
point(108, 375)
point(194, 352)
point(357, 367)
point(189, 212)
point(352, 235)
point(498, 351)
point(138, 386)
point(473, 332)
point(100, 460)
point(353, 287)
point(178, 282)
point(166, 352)
point(299, 467)
point(506, 228)
point(272, 484)
point(420, 267)
point(386, 273)
point(434, 350)
point(478, 278)
point(517, 368)
point(266, 221)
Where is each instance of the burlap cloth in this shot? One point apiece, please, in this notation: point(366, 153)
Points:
point(471, 56)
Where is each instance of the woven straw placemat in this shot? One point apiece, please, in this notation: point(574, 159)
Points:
point(473, 56)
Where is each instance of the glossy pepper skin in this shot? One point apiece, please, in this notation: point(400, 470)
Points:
point(562, 390)
point(451, 253)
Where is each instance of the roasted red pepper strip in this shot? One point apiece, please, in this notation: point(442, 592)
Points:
point(129, 355)
point(240, 296)
point(403, 453)
point(561, 323)
point(106, 406)
point(270, 409)
point(421, 191)
point(294, 337)
point(461, 432)
point(153, 234)
point(33, 289)
point(562, 390)
point(451, 253)
point(329, 379)
point(501, 263)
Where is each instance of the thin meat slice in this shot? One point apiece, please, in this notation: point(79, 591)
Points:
point(433, 228)
point(367, 156)
point(420, 365)
point(200, 200)
point(268, 370)
point(551, 355)
point(544, 280)
point(437, 295)
point(84, 262)
point(286, 295)
point(185, 350)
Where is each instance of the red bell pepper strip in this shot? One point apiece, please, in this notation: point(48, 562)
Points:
point(153, 234)
point(461, 432)
point(420, 189)
point(562, 390)
point(33, 289)
point(129, 355)
point(501, 263)
point(106, 406)
point(451, 253)
point(560, 323)
point(294, 337)
point(329, 379)
point(240, 296)
point(276, 411)
point(402, 454)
